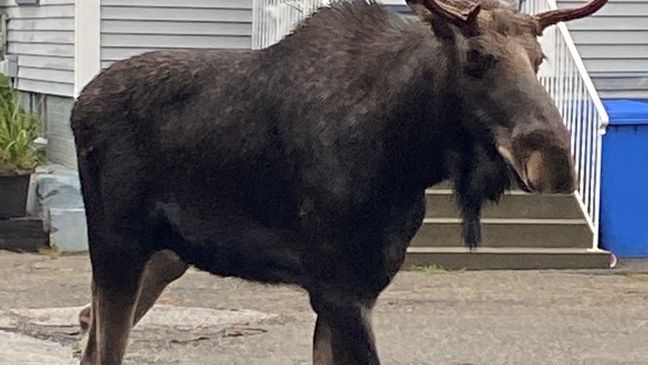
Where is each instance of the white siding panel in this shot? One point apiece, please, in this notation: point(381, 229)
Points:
point(230, 4)
point(42, 37)
point(28, 36)
point(174, 14)
point(55, 24)
point(613, 8)
point(55, 50)
point(52, 63)
point(174, 41)
point(615, 86)
point(43, 74)
point(597, 65)
point(610, 23)
point(613, 51)
point(42, 11)
point(619, 37)
point(177, 28)
point(5, 3)
point(45, 87)
point(132, 27)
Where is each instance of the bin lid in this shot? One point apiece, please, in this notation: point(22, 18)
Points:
point(627, 112)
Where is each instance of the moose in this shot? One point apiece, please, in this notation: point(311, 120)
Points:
point(306, 163)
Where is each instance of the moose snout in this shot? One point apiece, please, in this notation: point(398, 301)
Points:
point(551, 171)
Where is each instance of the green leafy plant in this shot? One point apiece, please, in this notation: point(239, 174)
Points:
point(18, 130)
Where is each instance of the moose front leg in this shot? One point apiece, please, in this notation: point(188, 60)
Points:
point(343, 334)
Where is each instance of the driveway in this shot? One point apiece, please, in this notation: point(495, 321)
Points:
point(425, 317)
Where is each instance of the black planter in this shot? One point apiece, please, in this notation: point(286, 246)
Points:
point(13, 195)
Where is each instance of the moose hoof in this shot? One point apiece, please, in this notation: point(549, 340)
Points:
point(85, 318)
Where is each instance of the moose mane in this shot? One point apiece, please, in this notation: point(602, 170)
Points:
point(367, 19)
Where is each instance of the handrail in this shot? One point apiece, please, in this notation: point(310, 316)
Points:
point(565, 76)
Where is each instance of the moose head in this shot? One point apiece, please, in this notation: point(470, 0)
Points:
point(499, 89)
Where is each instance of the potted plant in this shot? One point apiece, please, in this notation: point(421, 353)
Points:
point(18, 155)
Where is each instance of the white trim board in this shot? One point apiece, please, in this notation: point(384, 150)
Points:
point(87, 42)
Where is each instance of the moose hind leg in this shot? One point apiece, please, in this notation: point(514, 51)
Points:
point(162, 269)
point(117, 273)
point(343, 334)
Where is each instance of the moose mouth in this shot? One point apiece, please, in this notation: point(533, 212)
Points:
point(518, 173)
point(519, 181)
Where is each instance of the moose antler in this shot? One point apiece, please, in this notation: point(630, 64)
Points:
point(464, 19)
point(552, 17)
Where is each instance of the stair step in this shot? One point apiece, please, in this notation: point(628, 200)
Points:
point(507, 258)
point(442, 203)
point(510, 232)
point(447, 184)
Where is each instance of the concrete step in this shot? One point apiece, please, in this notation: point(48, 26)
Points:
point(507, 258)
point(507, 232)
point(441, 203)
point(447, 184)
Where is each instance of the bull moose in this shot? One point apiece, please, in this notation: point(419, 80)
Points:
point(306, 163)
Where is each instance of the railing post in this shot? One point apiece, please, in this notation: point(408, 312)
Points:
point(273, 19)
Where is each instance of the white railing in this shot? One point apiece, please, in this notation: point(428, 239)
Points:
point(273, 19)
point(564, 75)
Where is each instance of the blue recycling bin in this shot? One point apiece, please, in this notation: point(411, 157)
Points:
point(624, 179)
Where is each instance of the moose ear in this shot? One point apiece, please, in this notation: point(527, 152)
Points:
point(440, 26)
point(442, 29)
point(464, 19)
point(418, 9)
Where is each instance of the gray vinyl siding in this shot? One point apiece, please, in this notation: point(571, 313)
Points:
point(43, 39)
point(614, 46)
point(60, 141)
point(131, 27)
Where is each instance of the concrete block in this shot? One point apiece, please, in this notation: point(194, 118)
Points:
point(68, 232)
point(55, 197)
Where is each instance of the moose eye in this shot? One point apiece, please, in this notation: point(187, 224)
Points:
point(478, 63)
point(538, 62)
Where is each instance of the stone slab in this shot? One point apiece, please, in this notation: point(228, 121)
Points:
point(19, 349)
point(182, 318)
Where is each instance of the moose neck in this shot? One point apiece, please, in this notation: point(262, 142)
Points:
point(425, 123)
point(379, 80)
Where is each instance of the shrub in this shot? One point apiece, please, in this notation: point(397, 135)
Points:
point(18, 130)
